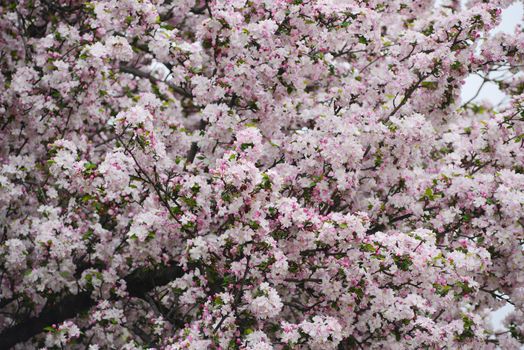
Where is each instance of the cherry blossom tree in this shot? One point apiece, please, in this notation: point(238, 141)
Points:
point(258, 174)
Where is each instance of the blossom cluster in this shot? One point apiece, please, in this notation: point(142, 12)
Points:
point(284, 174)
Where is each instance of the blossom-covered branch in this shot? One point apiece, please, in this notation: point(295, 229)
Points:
point(287, 174)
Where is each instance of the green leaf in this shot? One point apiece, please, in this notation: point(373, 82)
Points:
point(428, 194)
point(254, 225)
point(266, 182)
point(367, 247)
point(431, 85)
point(89, 166)
point(362, 40)
point(441, 290)
point(245, 146)
point(50, 329)
point(403, 262)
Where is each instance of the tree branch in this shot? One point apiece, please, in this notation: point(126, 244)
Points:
point(194, 145)
point(139, 283)
point(139, 73)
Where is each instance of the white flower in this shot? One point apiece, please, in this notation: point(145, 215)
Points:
point(325, 332)
point(266, 305)
point(120, 48)
point(258, 341)
point(98, 50)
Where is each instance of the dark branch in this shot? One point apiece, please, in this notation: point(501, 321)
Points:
point(139, 73)
point(194, 146)
point(139, 283)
